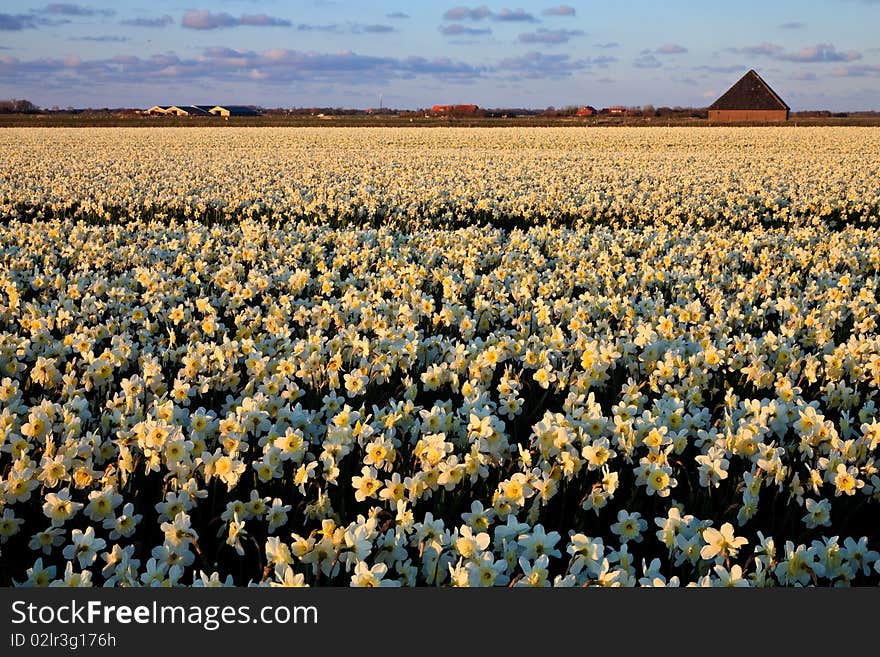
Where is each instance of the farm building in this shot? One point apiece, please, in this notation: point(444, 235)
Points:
point(178, 110)
point(586, 111)
point(188, 110)
point(201, 110)
point(749, 100)
point(233, 110)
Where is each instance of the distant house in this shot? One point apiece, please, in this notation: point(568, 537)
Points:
point(749, 100)
point(617, 110)
point(586, 111)
point(158, 110)
point(233, 110)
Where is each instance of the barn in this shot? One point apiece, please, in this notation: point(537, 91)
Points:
point(178, 110)
point(187, 110)
point(455, 110)
point(750, 100)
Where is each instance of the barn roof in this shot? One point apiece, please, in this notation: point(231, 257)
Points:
point(189, 109)
point(750, 93)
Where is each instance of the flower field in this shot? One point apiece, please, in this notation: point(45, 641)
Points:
point(419, 178)
point(524, 357)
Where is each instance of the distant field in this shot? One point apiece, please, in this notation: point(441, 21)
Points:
point(97, 121)
point(496, 357)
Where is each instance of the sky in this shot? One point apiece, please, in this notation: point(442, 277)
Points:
point(534, 54)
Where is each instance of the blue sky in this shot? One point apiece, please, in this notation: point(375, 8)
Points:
point(817, 55)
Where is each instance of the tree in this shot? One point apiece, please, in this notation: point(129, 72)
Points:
point(17, 106)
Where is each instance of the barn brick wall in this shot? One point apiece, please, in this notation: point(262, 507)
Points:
point(747, 116)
